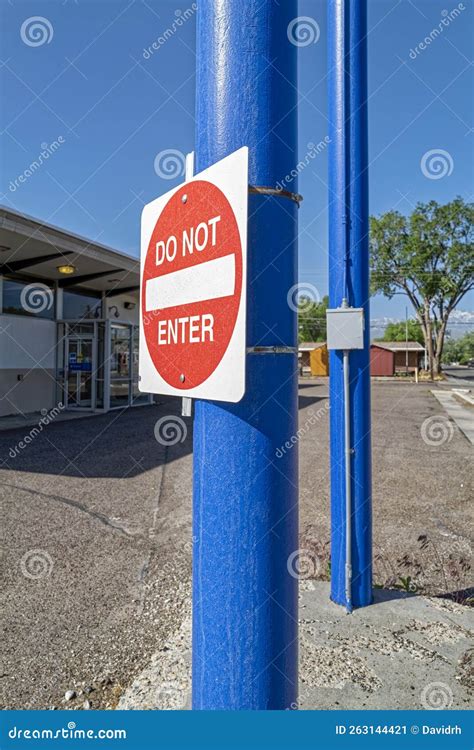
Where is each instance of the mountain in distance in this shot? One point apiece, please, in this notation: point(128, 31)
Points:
point(460, 322)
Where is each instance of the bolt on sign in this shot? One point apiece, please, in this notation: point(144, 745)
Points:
point(193, 285)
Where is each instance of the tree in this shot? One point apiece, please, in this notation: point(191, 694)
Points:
point(397, 332)
point(312, 319)
point(429, 257)
point(459, 350)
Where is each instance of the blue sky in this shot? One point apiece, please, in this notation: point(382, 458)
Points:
point(114, 109)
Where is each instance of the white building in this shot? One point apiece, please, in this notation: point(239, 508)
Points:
point(69, 313)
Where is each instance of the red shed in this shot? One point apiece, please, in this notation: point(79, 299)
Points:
point(382, 361)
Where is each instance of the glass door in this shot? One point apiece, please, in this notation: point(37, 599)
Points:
point(80, 373)
point(120, 361)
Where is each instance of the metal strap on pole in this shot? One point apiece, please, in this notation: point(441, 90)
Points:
point(277, 192)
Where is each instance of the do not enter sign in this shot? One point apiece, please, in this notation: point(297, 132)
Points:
point(193, 285)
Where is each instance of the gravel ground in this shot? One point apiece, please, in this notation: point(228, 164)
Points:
point(97, 540)
point(421, 488)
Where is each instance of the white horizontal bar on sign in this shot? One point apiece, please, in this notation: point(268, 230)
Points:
point(209, 280)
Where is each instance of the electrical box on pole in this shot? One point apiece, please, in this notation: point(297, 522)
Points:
point(345, 328)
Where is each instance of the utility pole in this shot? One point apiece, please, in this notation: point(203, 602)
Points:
point(406, 340)
point(351, 542)
point(245, 498)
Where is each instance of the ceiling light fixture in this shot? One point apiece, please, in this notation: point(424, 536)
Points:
point(66, 269)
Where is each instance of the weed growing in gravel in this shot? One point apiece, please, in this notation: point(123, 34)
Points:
point(429, 570)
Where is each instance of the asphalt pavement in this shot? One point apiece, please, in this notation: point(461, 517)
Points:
point(460, 375)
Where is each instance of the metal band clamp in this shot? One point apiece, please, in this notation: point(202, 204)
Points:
point(296, 197)
point(272, 350)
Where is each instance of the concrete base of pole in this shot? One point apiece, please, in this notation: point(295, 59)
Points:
point(404, 652)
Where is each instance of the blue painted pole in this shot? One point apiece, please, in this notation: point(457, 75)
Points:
point(349, 279)
point(245, 497)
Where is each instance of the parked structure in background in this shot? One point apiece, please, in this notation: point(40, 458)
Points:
point(390, 357)
point(313, 358)
point(387, 358)
point(68, 320)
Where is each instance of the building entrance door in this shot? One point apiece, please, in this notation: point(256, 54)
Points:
point(80, 372)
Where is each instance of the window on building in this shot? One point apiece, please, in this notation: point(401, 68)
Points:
point(124, 341)
point(120, 340)
point(120, 351)
point(80, 305)
point(119, 393)
point(137, 396)
point(32, 298)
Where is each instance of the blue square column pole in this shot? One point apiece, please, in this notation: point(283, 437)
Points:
point(245, 498)
point(349, 280)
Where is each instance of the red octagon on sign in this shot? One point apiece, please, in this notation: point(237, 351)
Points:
point(191, 284)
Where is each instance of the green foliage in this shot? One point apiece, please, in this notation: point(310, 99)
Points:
point(406, 584)
point(312, 319)
point(397, 332)
point(429, 256)
point(459, 350)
